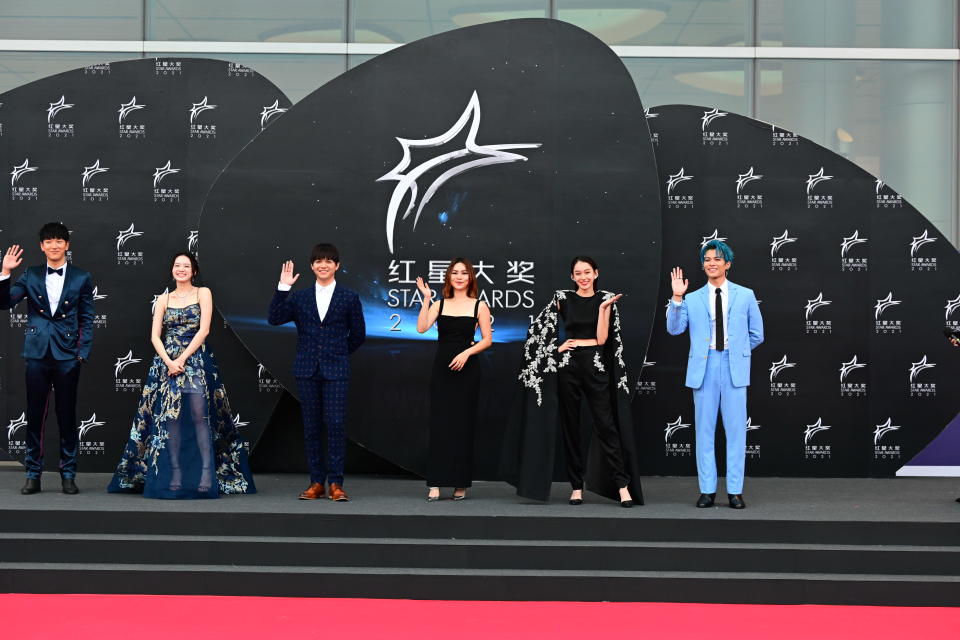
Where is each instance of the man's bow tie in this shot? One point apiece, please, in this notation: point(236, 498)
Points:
point(59, 271)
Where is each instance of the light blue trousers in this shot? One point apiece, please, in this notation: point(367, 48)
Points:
point(718, 392)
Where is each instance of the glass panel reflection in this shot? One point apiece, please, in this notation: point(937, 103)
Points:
point(71, 20)
point(20, 68)
point(247, 20)
point(724, 84)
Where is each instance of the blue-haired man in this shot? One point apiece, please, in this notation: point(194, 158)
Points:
point(725, 326)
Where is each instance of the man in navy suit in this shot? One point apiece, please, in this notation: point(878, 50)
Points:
point(57, 342)
point(725, 326)
point(330, 327)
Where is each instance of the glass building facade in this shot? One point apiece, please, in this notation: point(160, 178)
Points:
point(839, 72)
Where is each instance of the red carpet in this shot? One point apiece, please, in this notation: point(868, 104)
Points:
point(95, 617)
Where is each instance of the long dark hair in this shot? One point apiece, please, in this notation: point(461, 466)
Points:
point(471, 287)
point(194, 265)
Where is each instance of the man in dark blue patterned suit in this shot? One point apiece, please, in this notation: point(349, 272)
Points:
point(57, 342)
point(330, 327)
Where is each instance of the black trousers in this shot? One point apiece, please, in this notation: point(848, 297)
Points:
point(63, 376)
point(581, 379)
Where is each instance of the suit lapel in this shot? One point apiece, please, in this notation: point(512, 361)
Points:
point(732, 289)
point(335, 301)
point(705, 296)
point(39, 284)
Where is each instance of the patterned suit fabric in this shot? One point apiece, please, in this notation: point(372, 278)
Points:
point(53, 342)
point(322, 370)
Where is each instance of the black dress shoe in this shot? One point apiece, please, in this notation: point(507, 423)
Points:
point(575, 501)
point(626, 504)
point(69, 486)
point(736, 501)
point(32, 485)
point(705, 500)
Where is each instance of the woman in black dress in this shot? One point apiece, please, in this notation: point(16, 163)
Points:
point(455, 380)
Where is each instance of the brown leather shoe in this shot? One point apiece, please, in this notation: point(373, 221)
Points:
point(337, 494)
point(314, 491)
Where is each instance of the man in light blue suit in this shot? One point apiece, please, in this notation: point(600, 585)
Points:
point(725, 326)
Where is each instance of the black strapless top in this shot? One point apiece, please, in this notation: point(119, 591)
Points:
point(580, 316)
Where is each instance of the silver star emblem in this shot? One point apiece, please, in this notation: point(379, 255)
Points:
point(98, 296)
point(192, 240)
point(816, 303)
point(879, 185)
point(779, 241)
point(847, 367)
point(260, 370)
point(883, 304)
point(86, 425)
point(650, 114)
point(849, 242)
point(917, 367)
point(751, 426)
point(714, 236)
point(676, 179)
point(814, 428)
point(197, 108)
point(815, 179)
point(952, 305)
point(882, 429)
point(15, 425)
point(20, 170)
point(153, 301)
point(744, 178)
point(162, 172)
point(673, 427)
point(778, 366)
point(407, 182)
point(269, 112)
point(919, 241)
point(238, 423)
point(126, 234)
point(646, 364)
point(710, 116)
point(92, 170)
point(123, 363)
point(57, 107)
point(127, 107)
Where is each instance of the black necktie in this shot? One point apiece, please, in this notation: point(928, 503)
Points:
point(59, 271)
point(718, 312)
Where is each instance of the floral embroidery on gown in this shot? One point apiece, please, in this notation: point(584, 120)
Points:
point(183, 441)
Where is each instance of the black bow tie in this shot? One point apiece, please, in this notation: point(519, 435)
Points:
point(59, 271)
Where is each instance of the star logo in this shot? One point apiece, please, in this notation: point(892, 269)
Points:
point(192, 240)
point(879, 186)
point(260, 370)
point(751, 426)
point(15, 425)
point(98, 296)
point(883, 429)
point(710, 116)
point(87, 425)
point(813, 429)
point(919, 241)
point(197, 108)
point(162, 172)
point(779, 241)
point(778, 366)
point(126, 234)
point(816, 303)
point(744, 178)
point(20, 170)
point(646, 364)
point(153, 302)
point(673, 427)
point(127, 107)
point(714, 236)
point(123, 363)
point(849, 242)
point(815, 179)
point(847, 367)
point(650, 114)
point(917, 367)
point(57, 107)
point(407, 182)
point(676, 179)
point(952, 305)
point(92, 170)
point(237, 423)
point(270, 111)
point(883, 304)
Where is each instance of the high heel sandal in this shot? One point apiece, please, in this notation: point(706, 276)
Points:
point(206, 480)
point(576, 501)
point(462, 496)
point(176, 479)
point(432, 498)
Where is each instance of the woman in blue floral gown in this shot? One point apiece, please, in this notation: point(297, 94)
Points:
point(183, 442)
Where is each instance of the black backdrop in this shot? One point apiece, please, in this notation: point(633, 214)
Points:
point(130, 120)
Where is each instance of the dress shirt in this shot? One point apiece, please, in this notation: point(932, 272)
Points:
point(324, 295)
point(712, 306)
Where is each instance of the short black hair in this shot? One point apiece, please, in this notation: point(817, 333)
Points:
point(54, 231)
point(324, 251)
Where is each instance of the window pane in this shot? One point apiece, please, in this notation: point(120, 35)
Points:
point(20, 68)
point(708, 82)
point(893, 118)
point(858, 23)
point(247, 20)
point(71, 20)
point(408, 20)
point(680, 22)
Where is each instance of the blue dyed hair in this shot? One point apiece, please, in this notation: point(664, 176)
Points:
point(722, 248)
